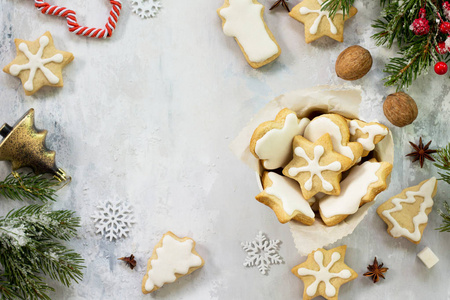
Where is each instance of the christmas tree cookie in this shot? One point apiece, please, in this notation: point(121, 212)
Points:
point(243, 20)
point(172, 258)
point(38, 63)
point(284, 197)
point(316, 166)
point(318, 23)
point(367, 134)
point(362, 185)
point(271, 141)
point(406, 214)
point(323, 273)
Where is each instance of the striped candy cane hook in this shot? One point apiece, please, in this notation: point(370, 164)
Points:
point(71, 19)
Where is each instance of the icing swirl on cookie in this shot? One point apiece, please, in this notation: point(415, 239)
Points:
point(314, 168)
point(322, 13)
point(324, 275)
point(373, 130)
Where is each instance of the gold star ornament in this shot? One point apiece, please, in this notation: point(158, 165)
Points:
point(318, 23)
point(38, 63)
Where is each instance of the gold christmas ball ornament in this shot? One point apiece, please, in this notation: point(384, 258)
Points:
point(353, 63)
point(400, 109)
point(24, 146)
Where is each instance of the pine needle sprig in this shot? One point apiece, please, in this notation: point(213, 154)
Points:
point(445, 218)
point(334, 5)
point(443, 163)
point(18, 186)
point(30, 249)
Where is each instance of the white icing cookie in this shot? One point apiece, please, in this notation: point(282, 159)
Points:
point(367, 134)
point(327, 267)
point(284, 197)
point(362, 185)
point(406, 214)
point(336, 126)
point(243, 20)
point(172, 258)
point(271, 142)
point(316, 166)
point(38, 63)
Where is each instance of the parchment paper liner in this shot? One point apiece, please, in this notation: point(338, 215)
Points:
point(343, 100)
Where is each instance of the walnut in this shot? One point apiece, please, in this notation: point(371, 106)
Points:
point(353, 63)
point(400, 109)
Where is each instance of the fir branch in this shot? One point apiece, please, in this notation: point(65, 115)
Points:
point(29, 249)
point(334, 5)
point(17, 186)
point(446, 218)
point(443, 163)
point(415, 59)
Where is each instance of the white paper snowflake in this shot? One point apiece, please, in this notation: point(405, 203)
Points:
point(146, 8)
point(262, 253)
point(113, 219)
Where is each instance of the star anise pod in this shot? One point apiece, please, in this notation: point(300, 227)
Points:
point(375, 271)
point(129, 260)
point(283, 3)
point(421, 152)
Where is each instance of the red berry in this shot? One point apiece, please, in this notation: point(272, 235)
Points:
point(441, 48)
point(444, 27)
point(420, 26)
point(440, 68)
point(422, 13)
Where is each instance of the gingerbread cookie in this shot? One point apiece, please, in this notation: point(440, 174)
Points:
point(406, 214)
point(244, 20)
point(172, 258)
point(339, 132)
point(362, 185)
point(316, 167)
point(323, 273)
point(309, 13)
point(367, 134)
point(284, 197)
point(38, 63)
point(272, 140)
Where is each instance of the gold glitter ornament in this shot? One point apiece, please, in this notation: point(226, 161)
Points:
point(24, 146)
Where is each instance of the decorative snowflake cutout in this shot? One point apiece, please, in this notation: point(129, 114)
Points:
point(113, 219)
point(262, 253)
point(146, 8)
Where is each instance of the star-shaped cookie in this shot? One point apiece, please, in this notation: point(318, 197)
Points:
point(38, 63)
point(323, 273)
point(318, 23)
point(316, 166)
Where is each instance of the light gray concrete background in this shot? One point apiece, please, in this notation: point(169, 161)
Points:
point(147, 117)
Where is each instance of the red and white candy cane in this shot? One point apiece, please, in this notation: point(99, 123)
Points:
point(70, 15)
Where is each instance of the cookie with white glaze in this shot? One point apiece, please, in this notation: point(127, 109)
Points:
point(284, 196)
point(367, 134)
point(406, 214)
point(363, 183)
point(38, 63)
point(271, 141)
point(318, 23)
point(244, 20)
point(336, 126)
point(172, 258)
point(323, 273)
point(316, 166)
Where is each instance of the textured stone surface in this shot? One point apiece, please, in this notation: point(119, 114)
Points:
point(147, 117)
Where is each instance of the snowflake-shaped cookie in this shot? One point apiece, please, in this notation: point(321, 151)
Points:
point(262, 253)
point(146, 8)
point(113, 219)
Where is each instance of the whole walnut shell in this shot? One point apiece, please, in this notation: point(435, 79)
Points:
point(400, 109)
point(353, 63)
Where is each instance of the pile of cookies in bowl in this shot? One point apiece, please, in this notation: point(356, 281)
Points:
point(318, 167)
